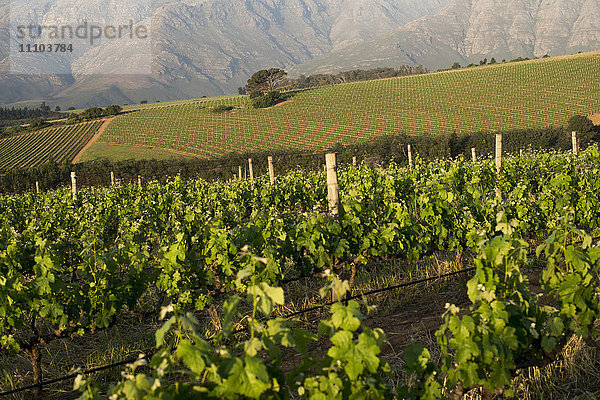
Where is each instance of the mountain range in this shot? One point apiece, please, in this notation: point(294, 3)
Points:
point(467, 31)
point(210, 47)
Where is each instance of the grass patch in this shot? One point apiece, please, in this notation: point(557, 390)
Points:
point(122, 152)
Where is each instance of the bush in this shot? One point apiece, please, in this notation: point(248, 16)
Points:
point(113, 110)
point(221, 109)
point(92, 113)
point(13, 130)
point(267, 100)
point(580, 123)
point(73, 118)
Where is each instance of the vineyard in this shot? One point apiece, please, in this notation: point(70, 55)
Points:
point(61, 144)
point(69, 270)
point(532, 94)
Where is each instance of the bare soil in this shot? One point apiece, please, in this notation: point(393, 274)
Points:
point(93, 140)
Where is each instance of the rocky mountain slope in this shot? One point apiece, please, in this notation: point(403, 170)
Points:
point(467, 31)
point(209, 47)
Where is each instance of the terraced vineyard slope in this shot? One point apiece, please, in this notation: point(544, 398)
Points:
point(59, 143)
point(532, 94)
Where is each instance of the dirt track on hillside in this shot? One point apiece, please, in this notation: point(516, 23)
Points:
point(93, 140)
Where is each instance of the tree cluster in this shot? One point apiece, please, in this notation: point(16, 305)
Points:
point(38, 123)
point(492, 61)
point(94, 113)
point(319, 80)
point(12, 116)
point(358, 75)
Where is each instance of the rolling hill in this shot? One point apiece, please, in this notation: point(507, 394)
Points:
point(502, 97)
point(531, 94)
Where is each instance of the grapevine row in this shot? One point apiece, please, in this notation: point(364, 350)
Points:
point(60, 144)
point(68, 270)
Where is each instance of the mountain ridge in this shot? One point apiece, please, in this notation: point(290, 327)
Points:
point(467, 31)
point(210, 47)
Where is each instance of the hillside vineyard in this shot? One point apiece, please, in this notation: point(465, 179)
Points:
point(534, 94)
point(61, 144)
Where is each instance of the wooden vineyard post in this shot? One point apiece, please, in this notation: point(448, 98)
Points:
point(332, 185)
point(112, 178)
point(473, 154)
point(521, 153)
point(37, 187)
point(498, 152)
point(333, 195)
point(251, 171)
point(498, 159)
point(139, 181)
point(354, 162)
point(410, 160)
point(240, 172)
point(271, 170)
point(74, 186)
point(574, 143)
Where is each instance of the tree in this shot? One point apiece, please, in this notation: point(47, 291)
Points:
point(493, 61)
point(456, 65)
point(44, 108)
point(36, 123)
point(57, 109)
point(580, 123)
point(92, 113)
point(266, 80)
point(113, 110)
point(241, 90)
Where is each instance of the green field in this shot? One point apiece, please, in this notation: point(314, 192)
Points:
point(532, 94)
point(122, 152)
point(60, 143)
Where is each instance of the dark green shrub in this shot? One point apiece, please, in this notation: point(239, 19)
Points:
point(267, 100)
point(73, 118)
point(580, 123)
point(221, 109)
point(12, 130)
point(113, 110)
point(92, 113)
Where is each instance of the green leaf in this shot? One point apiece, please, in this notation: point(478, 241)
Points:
point(191, 356)
point(346, 317)
point(162, 331)
point(248, 378)
point(229, 310)
point(266, 297)
point(253, 346)
point(416, 357)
